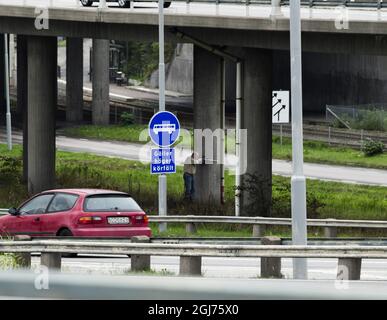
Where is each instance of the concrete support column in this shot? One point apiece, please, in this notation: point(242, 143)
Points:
point(140, 262)
point(42, 102)
point(74, 80)
point(52, 260)
point(257, 119)
point(100, 60)
point(271, 267)
point(190, 266)
point(349, 269)
point(22, 96)
point(207, 116)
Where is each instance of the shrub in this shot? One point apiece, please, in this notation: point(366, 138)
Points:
point(127, 118)
point(372, 147)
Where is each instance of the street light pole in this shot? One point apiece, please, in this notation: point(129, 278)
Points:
point(8, 111)
point(162, 177)
point(299, 229)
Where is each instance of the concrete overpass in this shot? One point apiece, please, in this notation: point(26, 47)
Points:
point(249, 32)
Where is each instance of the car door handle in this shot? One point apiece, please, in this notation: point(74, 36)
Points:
point(37, 219)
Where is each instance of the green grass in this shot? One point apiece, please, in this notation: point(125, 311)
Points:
point(8, 261)
point(320, 152)
point(325, 199)
point(114, 132)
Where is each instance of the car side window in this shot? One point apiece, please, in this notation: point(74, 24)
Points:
point(62, 202)
point(37, 205)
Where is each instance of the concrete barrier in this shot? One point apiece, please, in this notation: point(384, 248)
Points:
point(271, 267)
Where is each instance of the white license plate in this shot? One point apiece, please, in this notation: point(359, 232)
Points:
point(118, 220)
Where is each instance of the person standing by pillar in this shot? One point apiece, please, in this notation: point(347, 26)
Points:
point(189, 176)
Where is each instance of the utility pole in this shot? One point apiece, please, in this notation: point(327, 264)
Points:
point(162, 177)
point(299, 229)
point(8, 112)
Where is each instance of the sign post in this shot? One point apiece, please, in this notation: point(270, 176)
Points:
point(280, 109)
point(8, 107)
point(162, 178)
point(299, 230)
point(164, 131)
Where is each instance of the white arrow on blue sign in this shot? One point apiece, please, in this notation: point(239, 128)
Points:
point(164, 129)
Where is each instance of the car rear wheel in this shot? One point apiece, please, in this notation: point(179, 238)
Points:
point(124, 3)
point(67, 233)
point(86, 3)
point(167, 4)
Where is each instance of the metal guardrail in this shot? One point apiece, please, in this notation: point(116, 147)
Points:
point(330, 225)
point(349, 257)
point(270, 221)
point(193, 250)
point(377, 4)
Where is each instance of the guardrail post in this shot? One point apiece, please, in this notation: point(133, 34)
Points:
point(330, 232)
point(24, 258)
point(52, 260)
point(259, 230)
point(190, 266)
point(271, 267)
point(140, 262)
point(349, 269)
point(190, 227)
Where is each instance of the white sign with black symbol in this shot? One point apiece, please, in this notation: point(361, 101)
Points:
point(280, 107)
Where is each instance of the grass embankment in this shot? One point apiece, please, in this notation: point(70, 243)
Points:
point(315, 152)
point(325, 199)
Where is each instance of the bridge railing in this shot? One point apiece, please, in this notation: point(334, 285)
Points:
point(310, 3)
point(271, 253)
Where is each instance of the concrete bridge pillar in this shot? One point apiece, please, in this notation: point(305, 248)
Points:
point(42, 102)
point(74, 80)
point(207, 116)
point(22, 96)
point(100, 59)
point(257, 119)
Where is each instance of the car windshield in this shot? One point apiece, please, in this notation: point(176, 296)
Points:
point(108, 202)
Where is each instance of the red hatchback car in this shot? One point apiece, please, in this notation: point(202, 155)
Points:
point(78, 213)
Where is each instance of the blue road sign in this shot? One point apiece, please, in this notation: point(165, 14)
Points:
point(164, 129)
point(163, 161)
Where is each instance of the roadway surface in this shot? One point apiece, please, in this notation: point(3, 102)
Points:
point(133, 151)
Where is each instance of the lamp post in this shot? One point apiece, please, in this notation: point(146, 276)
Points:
point(8, 111)
point(299, 229)
point(162, 177)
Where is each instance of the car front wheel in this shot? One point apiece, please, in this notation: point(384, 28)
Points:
point(124, 3)
point(167, 4)
point(86, 3)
